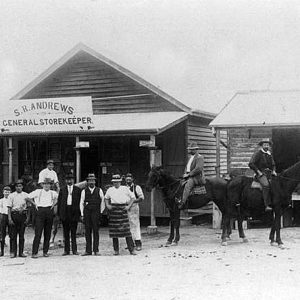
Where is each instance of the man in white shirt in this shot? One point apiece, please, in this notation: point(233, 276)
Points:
point(17, 218)
point(49, 173)
point(44, 200)
point(134, 211)
point(4, 226)
point(91, 207)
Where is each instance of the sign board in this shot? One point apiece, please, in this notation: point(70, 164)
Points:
point(47, 115)
point(147, 143)
point(83, 144)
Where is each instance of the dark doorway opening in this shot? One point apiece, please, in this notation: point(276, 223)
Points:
point(90, 160)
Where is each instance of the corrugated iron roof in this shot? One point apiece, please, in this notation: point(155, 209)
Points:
point(260, 109)
point(154, 123)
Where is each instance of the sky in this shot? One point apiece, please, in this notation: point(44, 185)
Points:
point(199, 51)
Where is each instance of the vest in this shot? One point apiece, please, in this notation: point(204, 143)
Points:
point(93, 200)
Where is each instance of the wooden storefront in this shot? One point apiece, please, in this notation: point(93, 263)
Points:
point(126, 111)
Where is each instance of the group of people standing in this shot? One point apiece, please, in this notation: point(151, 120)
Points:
point(73, 204)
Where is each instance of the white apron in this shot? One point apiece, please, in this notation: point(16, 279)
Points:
point(134, 221)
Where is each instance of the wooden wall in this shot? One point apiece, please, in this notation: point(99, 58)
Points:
point(243, 142)
point(84, 75)
point(199, 132)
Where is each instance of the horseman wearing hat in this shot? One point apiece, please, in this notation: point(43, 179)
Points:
point(91, 207)
point(194, 172)
point(262, 163)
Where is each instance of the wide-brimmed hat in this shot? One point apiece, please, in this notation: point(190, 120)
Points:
point(91, 176)
point(47, 181)
point(69, 176)
point(116, 178)
point(129, 175)
point(265, 141)
point(50, 161)
point(193, 146)
point(19, 181)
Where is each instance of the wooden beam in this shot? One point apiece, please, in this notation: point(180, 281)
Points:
point(10, 160)
point(78, 169)
point(218, 161)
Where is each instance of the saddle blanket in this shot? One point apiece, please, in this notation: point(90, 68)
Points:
point(256, 185)
point(198, 190)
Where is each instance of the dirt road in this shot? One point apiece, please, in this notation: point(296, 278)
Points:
point(198, 268)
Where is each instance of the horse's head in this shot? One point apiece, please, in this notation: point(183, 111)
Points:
point(153, 178)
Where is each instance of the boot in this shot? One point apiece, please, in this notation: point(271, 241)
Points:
point(267, 199)
point(138, 245)
point(2, 243)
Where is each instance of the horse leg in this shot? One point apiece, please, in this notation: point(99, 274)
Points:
point(225, 232)
point(272, 232)
point(241, 229)
point(176, 225)
point(171, 236)
point(278, 226)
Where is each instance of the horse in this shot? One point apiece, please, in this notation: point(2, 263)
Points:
point(171, 188)
point(244, 200)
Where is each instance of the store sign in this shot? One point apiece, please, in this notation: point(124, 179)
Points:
point(83, 144)
point(147, 143)
point(47, 114)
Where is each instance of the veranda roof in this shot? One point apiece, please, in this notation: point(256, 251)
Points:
point(260, 109)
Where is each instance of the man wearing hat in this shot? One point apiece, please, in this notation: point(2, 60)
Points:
point(262, 163)
point(4, 226)
point(194, 172)
point(44, 201)
point(68, 206)
point(17, 218)
point(119, 200)
point(48, 173)
point(91, 207)
point(134, 212)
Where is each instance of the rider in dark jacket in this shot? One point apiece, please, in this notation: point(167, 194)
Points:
point(262, 163)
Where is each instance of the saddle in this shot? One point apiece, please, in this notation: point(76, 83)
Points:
point(196, 190)
point(256, 185)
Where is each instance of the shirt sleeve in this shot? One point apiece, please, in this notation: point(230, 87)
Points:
point(41, 175)
point(55, 177)
point(82, 201)
point(32, 194)
point(9, 201)
point(102, 207)
point(107, 195)
point(139, 192)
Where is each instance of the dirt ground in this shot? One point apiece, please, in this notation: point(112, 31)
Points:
point(198, 268)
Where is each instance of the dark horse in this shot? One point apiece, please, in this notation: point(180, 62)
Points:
point(171, 189)
point(244, 201)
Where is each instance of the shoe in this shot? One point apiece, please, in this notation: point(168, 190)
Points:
point(65, 253)
point(86, 254)
point(12, 255)
point(116, 253)
point(268, 208)
point(97, 253)
point(34, 256)
point(46, 255)
point(22, 255)
point(133, 252)
point(75, 253)
point(138, 248)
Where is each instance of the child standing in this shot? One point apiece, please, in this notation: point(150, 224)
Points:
point(4, 218)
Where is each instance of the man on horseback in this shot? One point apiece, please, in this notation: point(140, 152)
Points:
point(194, 172)
point(262, 163)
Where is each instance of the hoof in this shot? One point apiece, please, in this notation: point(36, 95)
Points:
point(224, 243)
point(245, 240)
point(168, 244)
point(273, 244)
point(174, 244)
point(281, 246)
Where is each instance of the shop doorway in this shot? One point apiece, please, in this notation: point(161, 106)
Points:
point(90, 160)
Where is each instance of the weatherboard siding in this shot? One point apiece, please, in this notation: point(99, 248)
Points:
point(111, 91)
point(243, 142)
